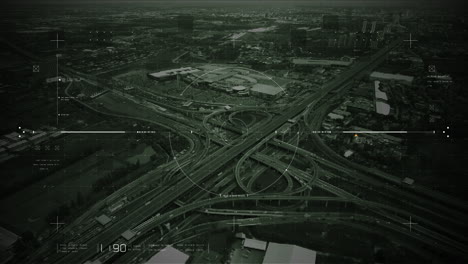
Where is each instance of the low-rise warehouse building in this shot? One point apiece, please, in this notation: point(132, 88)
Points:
point(171, 74)
point(103, 219)
point(254, 244)
point(285, 253)
point(266, 91)
point(169, 255)
point(18, 146)
point(391, 77)
point(317, 62)
point(128, 235)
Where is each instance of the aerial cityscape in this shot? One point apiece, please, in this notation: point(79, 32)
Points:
point(228, 132)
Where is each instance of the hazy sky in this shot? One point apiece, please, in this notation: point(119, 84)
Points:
point(357, 3)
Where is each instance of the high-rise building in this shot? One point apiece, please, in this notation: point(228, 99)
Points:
point(373, 27)
point(364, 26)
point(351, 40)
point(330, 22)
point(362, 41)
point(342, 41)
point(185, 23)
point(396, 19)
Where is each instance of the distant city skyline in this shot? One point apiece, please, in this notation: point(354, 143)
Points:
point(323, 3)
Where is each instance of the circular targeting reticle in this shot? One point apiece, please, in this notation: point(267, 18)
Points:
point(283, 172)
point(244, 135)
point(189, 176)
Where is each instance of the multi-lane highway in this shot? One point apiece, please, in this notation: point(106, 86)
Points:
point(160, 210)
point(217, 160)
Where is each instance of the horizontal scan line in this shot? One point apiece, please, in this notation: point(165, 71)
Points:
point(390, 132)
point(376, 132)
point(92, 132)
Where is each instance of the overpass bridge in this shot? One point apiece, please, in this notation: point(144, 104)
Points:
point(216, 160)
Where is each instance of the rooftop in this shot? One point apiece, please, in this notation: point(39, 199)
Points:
point(382, 108)
point(166, 73)
point(38, 136)
point(308, 61)
point(335, 116)
point(238, 88)
point(266, 89)
point(285, 253)
point(391, 76)
point(378, 93)
point(19, 144)
point(254, 244)
point(3, 142)
point(168, 255)
point(408, 180)
point(14, 136)
point(103, 219)
point(128, 235)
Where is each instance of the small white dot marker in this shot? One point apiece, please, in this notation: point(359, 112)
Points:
point(443, 131)
point(448, 127)
point(448, 136)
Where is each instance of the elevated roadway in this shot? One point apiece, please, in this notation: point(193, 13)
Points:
point(391, 191)
point(217, 160)
point(436, 239)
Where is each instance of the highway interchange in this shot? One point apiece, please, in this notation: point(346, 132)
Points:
point(186, 188)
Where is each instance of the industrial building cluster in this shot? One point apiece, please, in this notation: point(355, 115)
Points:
point(13, 143)
point(251, 250)
point(232, 80)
